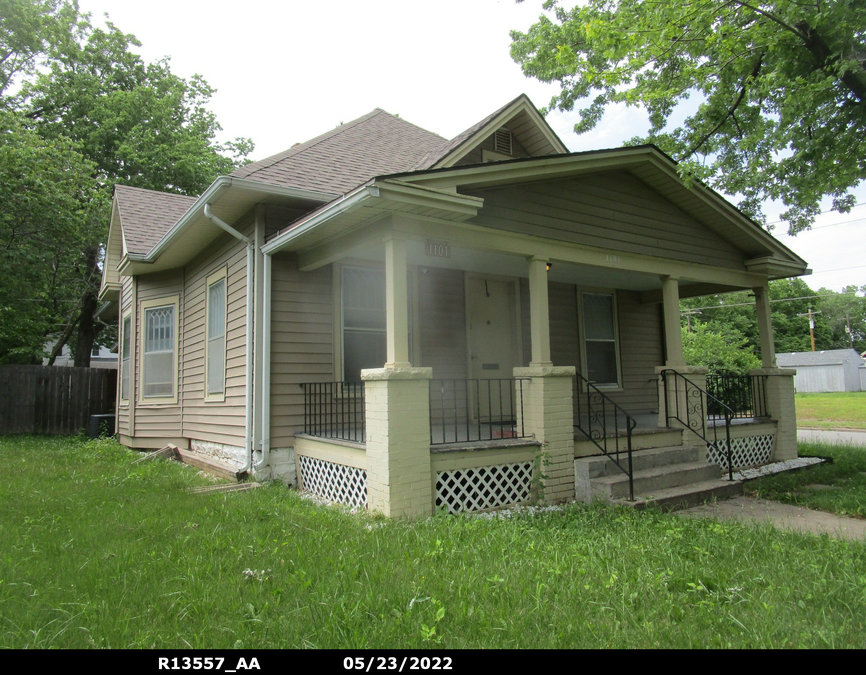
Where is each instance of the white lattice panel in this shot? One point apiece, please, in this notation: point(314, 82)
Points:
point(334, 482)
point(484, 487)
point(746, 451)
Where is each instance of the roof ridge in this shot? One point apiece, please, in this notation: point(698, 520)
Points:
point(246, 171)
point(157, 192)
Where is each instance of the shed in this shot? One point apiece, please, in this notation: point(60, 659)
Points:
point(824, 371)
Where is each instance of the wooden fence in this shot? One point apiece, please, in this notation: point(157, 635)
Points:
point(53, 400)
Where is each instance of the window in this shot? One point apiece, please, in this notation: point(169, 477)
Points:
point(364, 332)
point(601, 358)
point(215, 375)
point(159, 351)
point(94, 350)
point(124, 359)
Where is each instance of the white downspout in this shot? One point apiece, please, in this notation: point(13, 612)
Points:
point(248, 414)
point(266, 363)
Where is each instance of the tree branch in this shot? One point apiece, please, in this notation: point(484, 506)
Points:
point(826, 60)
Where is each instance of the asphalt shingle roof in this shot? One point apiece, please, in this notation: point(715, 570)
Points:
point(147, 215)
point(348, 156)
point(823, 358)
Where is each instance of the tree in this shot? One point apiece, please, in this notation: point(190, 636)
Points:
point(130, 122)
point(720, 348)
point(780, 88)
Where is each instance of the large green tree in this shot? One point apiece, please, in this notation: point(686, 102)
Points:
point(131, 122)
point(777, 89)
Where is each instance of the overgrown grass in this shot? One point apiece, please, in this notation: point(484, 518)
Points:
point(838, 410)
point(98, 553)
point(844, 478)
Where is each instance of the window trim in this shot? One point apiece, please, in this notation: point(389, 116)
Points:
point(126, 331)
point(144, 306)
point(215, 278)
point(581, 290)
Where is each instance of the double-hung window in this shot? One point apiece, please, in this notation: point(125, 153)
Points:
point(215, 376)
point(601, 353)
point(124, 358)
point(364, 331)
point(159, 350)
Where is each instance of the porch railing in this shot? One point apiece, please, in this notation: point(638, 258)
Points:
point(335, 410)
point(606, 424)
point(745, 395)
point(688, 404)
point(466, 410)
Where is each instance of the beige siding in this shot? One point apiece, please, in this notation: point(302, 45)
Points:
point(158, 420)
point(442, 322)
point(125, 305)
point(302, 342)
point(614, 211)
point(216, 421)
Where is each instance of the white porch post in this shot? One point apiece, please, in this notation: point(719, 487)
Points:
point(396, 304)
point(673, 326)
point(539, 313)
point(765, 326)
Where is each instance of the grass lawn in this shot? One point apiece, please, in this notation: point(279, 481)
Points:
point(841, 485)
point(99, 553)
point(842, 410)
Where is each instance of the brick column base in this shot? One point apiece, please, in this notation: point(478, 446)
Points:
point(399, 482)
point(780, 407)
point(548, 413)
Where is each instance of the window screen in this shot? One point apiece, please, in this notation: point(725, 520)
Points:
point(599, 331)
point(216, 337)
point(158, 373)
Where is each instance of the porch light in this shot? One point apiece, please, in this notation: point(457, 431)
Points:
point(548, 266)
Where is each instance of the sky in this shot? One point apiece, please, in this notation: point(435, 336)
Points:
point(287, 71)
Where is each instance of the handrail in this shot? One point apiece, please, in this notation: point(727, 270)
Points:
point(467, 410)
point(696, 413)
point(598, 421)
point(335, 410)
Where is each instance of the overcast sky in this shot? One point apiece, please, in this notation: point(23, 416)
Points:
point(288, 71)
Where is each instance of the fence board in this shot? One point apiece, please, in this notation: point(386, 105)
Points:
point(53, 400)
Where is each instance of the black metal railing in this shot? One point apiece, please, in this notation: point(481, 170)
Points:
point(606, 424)
point(335, 410)
point(745, 395)
point(685, 402)
point(463, 410)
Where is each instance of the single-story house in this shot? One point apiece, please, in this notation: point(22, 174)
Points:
point(403, 322)
point(827, 370)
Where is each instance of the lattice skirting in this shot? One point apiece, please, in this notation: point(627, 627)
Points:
point(746, 451)
point(334, 482)
point(484, 487)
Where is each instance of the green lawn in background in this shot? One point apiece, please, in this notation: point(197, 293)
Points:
point(838, 410)
point(98, 552)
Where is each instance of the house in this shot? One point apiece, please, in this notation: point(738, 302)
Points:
point(100, 356)
point(830, 370)
point(400, 321)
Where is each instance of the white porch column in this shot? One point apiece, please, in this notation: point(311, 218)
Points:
point(539, 313)
point(765, 326)
point(673, 326)
point(396, 304)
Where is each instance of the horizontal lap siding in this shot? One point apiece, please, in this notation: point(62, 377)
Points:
point(125, 305)
point(302, 342)
point(158, 420)
point(442, 322)
point(216, 421)
point(640, 348)
point(614, 211)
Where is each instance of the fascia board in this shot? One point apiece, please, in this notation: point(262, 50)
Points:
point(213, 193)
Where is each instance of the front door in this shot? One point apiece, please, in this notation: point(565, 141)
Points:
point(491, 321)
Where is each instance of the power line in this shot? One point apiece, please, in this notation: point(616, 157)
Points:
point(752, 304)
point(776, 222)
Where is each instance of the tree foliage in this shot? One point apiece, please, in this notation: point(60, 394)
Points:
point(778, 88)
point(89, 107)
point(720, 348)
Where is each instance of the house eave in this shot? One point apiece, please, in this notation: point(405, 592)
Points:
point(774, 268)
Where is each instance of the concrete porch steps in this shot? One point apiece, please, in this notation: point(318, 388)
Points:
point(670, 477)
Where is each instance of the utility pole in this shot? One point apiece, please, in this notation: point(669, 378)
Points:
point(811, 325)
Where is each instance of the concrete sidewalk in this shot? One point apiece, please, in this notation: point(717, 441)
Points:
point(842, 436)
point(782, 516)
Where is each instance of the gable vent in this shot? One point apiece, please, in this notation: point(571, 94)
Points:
point(502, 141)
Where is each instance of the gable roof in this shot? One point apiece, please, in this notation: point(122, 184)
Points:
point(146, 215)
point(347, 156)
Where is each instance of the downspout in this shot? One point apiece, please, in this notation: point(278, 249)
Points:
point(248, 414)
point(266, 364)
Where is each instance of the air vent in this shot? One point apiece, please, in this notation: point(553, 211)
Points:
point(502, 141)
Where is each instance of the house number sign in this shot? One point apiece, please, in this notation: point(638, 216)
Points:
point(437, 249)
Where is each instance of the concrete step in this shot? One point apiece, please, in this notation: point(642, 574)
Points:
point(641, 440)
point(684, 496)
point(651, 480)
point(595, 467)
